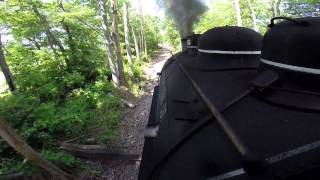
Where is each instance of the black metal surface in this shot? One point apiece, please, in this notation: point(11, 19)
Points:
point(183, 44)
point(300, 42)
point(179, 88)
point(230, 38)
point(271, 111)
point(153, 121)
point(234, 138)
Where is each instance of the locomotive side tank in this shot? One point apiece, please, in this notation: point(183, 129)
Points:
point(159, 100)
point(181, 110)
point(191, 45)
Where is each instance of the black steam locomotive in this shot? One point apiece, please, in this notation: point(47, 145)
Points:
point(235, 105)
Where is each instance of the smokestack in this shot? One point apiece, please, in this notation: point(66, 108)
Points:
point(190, 43)
point(185, 14)
point(184, 44)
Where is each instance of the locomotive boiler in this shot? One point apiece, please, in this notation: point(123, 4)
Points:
point(243, 107)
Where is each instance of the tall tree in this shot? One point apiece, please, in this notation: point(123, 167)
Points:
point(5, 69)
point(237, 10)
point(127, 31)
point(16, 142)
point(253, 16)
point(52, 39)
point(276, 8)
point(136, 42)
point(70, 41)
point(143, 35)
point(122, 80)
point(107, 41)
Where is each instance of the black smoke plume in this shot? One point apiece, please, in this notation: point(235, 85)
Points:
point(185, 13)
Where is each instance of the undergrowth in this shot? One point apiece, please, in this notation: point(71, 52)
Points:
point(45, 119)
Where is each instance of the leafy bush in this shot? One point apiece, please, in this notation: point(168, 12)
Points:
point(109, 111)
point(45, 123)
point(63, 160)
point(60, 159)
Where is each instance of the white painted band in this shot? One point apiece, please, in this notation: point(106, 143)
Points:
point(291, 67)
point(192, 47)
point(293, 152)
point(272, 160)
point(228, 52)
point(228, 175)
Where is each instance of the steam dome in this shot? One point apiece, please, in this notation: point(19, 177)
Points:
point(293, 45)
point(290, 55)
point(229, 47)
point(230, 40)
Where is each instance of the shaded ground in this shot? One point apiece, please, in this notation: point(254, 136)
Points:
point(130, 138)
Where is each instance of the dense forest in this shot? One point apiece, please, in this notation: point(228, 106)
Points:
point(70, 65)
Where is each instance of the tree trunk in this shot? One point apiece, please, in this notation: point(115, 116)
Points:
point(140, 37)
point(108, 43)
point(71, 44)
point(127, 31)
point(276, 8)
point(49, 34)
point(5, 69)
point(136, 43)
point(52, 40)
point(237, 10)
point(143, 35)
point(253, 16)
point(122, 81)
point(16, 142)
point(72, 47)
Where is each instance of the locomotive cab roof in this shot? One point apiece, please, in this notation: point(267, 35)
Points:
point(239, 46)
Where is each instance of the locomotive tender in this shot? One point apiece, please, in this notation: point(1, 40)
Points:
point(241, 106)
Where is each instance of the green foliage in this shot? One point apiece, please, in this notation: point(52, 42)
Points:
point(61, 159)
point(170, 35)
point(43, 124)
point(8, 166)
point(215, 18)
point(152, 32)
point(137, 79)
point(62, 93)
point(109, 111)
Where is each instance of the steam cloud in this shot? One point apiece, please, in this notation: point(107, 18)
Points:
point(185, 13)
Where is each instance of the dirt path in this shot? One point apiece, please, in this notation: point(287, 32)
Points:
point(130, 137)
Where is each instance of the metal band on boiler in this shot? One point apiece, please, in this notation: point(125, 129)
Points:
point(291, 67)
